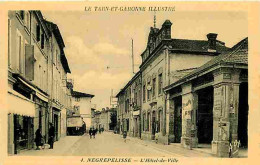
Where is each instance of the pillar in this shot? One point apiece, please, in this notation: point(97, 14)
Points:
point(225, 112)
point(189, 106)
point(170, 119)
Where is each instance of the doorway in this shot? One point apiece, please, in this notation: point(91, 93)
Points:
point(56, 126)
point(205, 115)
point(177, 119)
point(243, 115)
point(153, 125)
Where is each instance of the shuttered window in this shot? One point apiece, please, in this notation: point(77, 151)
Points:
point(29, 62)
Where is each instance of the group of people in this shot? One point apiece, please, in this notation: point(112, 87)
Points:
point(93, 131)
point(39, 139)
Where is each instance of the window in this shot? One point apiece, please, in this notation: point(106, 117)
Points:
point(38, 33)
point(77, 99)
point(159, 121)
point(144, 92)
point(28, 19)
point(160, 84)
point(20, 53)
point(40, 76)
point(148, 91)
point(154, 86)
point(127, 124)
point(127, 105)
point(9, 43)
point(42, 41)
point(22, 14)
point(144, 122)
point(135, 97)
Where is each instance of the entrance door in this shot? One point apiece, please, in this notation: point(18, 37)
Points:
point(177, 123)
point(205, 115)
point(56, 126)
point(243, 115)
point(177, 119)
point(153, 125)
point(17, 129)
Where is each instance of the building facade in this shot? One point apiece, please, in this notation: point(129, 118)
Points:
point(103, 119)
point(129, 107)
point(191, 92)
point(213, 101)
point(29, 78)
point(81, 103)
point(164, 60)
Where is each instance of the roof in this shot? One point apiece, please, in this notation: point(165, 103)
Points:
point(64, 62)
point(238, 54)
point(129, 82)
point(196, 45)
point(80, 94)
point(55, 29)
point(178, 74)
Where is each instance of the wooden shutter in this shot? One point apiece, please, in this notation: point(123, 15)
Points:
point(29, 62)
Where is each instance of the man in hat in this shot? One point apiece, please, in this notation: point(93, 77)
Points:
point(51, 135)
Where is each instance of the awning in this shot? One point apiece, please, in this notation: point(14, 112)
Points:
point(38, 93)
point(41, 97)
point(20, 105)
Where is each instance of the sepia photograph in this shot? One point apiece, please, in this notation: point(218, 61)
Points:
point(127, 83)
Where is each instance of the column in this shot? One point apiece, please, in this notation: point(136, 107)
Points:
point(170, 119)
point(225, 112)
point(189, 106)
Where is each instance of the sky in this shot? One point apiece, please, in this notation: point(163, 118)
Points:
point(98, 44)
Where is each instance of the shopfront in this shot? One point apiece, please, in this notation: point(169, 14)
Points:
point(20, 123)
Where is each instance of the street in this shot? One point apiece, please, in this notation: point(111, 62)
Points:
point(109, 144)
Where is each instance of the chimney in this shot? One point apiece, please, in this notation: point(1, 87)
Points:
point(212, 39)
point(166, 26)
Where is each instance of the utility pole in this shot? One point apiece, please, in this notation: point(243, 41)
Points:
point(133, 56)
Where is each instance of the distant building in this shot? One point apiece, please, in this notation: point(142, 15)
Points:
point(102, 119)
point(81, 103)
point(129, 107)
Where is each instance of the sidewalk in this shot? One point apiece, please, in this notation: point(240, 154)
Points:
point(176, 148)
point(60, 148)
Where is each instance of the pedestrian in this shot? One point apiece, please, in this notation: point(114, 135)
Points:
point(124, 136)
point(51, 136)
point(90, 132)
point(94, 132)
point(99, 130)
point(38, 139)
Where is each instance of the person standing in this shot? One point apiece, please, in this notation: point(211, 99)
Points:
point(38, 139)
point(51, 135)
point(124, 136)
point(94, 132)
point(90, 132)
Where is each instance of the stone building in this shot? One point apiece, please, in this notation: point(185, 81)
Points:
point(81, 103)
point(129, 107)
point(102, 119)
point(60, 95)
point(212, 103)
point(163, 61)
point(30, 79)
